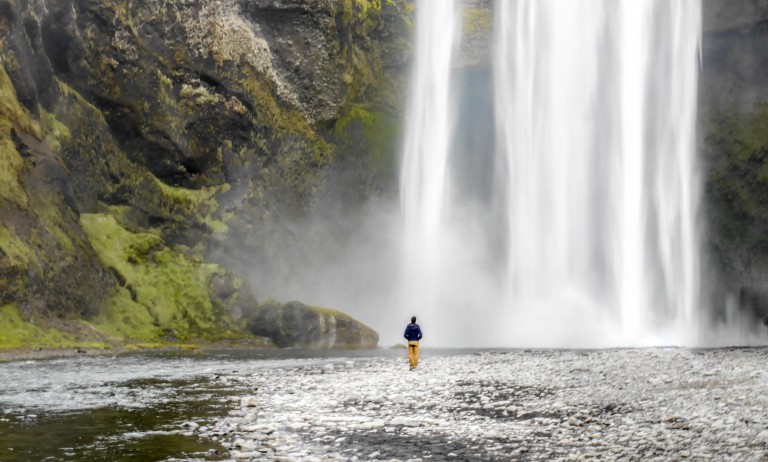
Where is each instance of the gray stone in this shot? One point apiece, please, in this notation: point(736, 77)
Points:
point(297, 325)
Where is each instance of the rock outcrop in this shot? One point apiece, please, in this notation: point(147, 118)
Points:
point(733, 145)
point(148, 146)
point(295, 325)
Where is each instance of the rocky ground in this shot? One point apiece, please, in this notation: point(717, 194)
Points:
point(634, 404)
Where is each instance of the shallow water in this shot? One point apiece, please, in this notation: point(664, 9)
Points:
point(654, 404)
point(139, 407)
point(132, 407)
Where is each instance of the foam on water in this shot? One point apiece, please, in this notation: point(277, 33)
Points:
point(71, 384)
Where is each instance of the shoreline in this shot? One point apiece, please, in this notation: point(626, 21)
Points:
point(624, 404)
point(26, 354)
point(39, 353)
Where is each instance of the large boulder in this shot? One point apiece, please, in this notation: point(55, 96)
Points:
point(294, 324)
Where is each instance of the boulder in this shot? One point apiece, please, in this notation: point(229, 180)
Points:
point(294, 324)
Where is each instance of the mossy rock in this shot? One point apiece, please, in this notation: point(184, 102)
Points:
point(736, 191)
point(138, 137)
point(162, 293)
point(18, 333)
point(295, 325)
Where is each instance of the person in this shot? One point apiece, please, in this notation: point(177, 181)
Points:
point(413, 335)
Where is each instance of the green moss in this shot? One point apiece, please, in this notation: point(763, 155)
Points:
point(123, 318)
point(187, 346)
point(52, 221)
point(282, 120)
point(54, 129)
point(164, 79)
point(190, 199)
point(160, 346)
point(199, 95)
point(12, 115)
point(16, 250)
point(366, 38)
point(376, 132)
point(364, 11)
point(120, 212)
point(299, 171)
point(199, 203)
point(17, 333)
point(11, 165)
point(216, 226)
point(329, 312)
point(163, 291)
point(92, 345)
point(326, 312)
point(84, 109)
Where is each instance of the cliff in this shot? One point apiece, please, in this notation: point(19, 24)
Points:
point(733, 146)
point(156, 156)
point(148, 147)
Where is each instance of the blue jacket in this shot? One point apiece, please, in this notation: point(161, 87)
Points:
point(412, 332)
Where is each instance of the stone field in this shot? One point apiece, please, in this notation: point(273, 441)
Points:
point(623, 404)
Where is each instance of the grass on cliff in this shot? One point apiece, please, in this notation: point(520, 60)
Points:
point(17, 333)
point(12, 116)
point(199, 201)
point(162, 293)
point(17, 252)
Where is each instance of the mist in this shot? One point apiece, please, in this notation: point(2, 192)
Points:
point(549, 199)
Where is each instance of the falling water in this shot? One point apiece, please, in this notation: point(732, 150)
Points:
point(424, 180)
point(594, 176)
point(596, 104)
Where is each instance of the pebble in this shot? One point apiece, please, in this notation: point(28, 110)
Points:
point(249, 401)
point(629, 404)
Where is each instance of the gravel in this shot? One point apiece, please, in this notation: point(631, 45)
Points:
point(626, 404)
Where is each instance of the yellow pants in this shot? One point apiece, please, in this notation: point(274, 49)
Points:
point(413, 354)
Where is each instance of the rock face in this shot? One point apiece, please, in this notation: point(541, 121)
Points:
point(150, 146)
point(190, 138)
point(733, 142)
point(297, 325)
point(754, 299)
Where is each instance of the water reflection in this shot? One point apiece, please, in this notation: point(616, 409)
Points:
point(131, 407)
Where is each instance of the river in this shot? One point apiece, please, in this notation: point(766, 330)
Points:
point(472, 405)
point(130, 407)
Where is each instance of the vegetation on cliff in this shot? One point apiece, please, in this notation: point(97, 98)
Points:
point(736, 194)
point(155, 156)
point(143, 145)
point(733, 137)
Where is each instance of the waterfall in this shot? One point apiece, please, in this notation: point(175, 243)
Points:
point(424, 180)
point(594, 177)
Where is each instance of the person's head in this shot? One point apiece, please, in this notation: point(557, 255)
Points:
point(413, 319)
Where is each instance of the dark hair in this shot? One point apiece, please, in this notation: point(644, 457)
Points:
point(413, 318)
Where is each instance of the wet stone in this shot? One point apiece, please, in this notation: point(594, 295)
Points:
point(642, 404)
